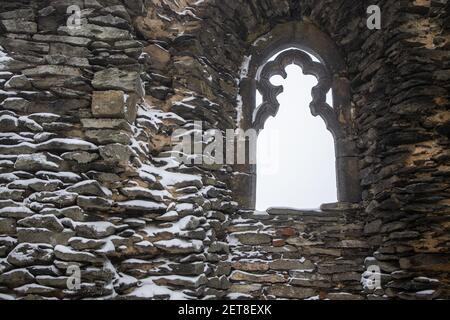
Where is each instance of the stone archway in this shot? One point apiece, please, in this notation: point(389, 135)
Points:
point(296, 38)
point(85, 178)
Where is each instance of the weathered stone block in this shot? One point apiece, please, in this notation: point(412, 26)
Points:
point(81, 157)
point(54, 282)
point(77, 41)
point(16, 104)
point(323, 251)
point(60, 198)
point(110, 20)
point(20, 82)
point(254, 238)
point(188, 282)
point(287, 232)
point(90, 188)
point(36, 162)
point(67, 145)
point(117, 124)
point(36, 184)
point(290, 264)
point(114, 104)
point(221, 283)
point(95, 230)
point(98, 32)
point(50, 70)
point(245, 288)
point(347, 276)
point(67, 254)
point(67, 50)
point(15, 212)
point(117, 79)
point(42, 235)
point(48, 221)
point(94, 203)
point(159, 57)
point(26, 254)
point(9, 123)
point(19, 14)
point(291, 292)
point(344, 296)
point(176, 246)
point(8, 194)
point(373, 227)
point(7, 226)
point(278, 243)
point(117, 153)
point(107, 136)
point(187, 268)
point(80, 243)
point(219, 247)
point(303, 279)
point(250, 266)
point(256, 278)
point(329, 268)
point(19, 26)
point(16, 278)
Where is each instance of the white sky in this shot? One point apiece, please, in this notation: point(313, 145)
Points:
point(295, 157)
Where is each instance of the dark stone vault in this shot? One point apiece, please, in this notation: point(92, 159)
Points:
point(90, 196)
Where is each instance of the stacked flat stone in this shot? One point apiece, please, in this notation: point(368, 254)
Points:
point(87, 178)
point(292, 254)
point(79, 183)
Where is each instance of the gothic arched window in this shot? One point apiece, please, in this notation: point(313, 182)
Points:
point(294, 40)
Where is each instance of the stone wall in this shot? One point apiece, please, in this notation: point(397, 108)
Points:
point(293, 254)
point(85, 181)
point(86, 177)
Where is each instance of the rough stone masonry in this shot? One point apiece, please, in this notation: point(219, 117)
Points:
point(87, 182)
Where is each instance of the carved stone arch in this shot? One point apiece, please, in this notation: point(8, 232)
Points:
point(293, 40)
point(319, 106)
